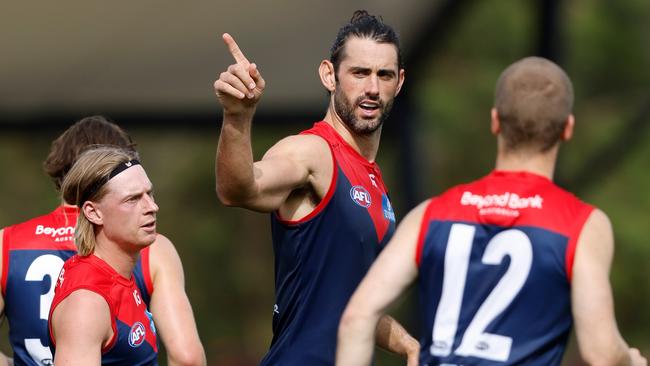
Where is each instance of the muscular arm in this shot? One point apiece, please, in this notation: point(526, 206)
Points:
point(295, 162)
point(391, 273)
point(598, 336)
point(266, 184)
point(81, 325)
point(171, 308)
point(235, 173)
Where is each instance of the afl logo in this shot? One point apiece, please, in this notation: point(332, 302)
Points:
point(137, 335)
point(360, 196)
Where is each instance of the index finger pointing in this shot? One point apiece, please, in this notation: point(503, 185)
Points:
point(234, 49)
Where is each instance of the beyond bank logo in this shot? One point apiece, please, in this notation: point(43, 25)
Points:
point(360, 196)
point(54, 231)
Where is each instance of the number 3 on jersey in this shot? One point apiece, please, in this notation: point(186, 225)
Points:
point(45, 265)
point(476, 342)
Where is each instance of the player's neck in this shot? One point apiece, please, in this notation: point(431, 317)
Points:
point(120, 260)
point(540, 163)
point(366, 145)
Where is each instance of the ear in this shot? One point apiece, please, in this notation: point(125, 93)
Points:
point(92, 212)
point(495, 125)
point(400, 82)
point(567, 133)
point(327, 75)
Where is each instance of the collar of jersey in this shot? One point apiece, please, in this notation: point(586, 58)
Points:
point(101, 264)
point(522, 174)
point(345, 145)
point(67, 209)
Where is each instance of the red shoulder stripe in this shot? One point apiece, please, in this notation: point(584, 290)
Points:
point(573, 242)
point(146, 271)
point(424, 225)
point(5, 259)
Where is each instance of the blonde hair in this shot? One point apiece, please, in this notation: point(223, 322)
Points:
point(84, 183)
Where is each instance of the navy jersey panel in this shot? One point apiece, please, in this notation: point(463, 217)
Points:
point(320, 261)
point(495, 258)
point(115, 357)
point(33, 253)
point(29, 292)
point(541, 303)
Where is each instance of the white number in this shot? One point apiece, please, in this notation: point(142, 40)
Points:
point(453, 283)
point(136, 297)
point(45, 265)
point(476, 342)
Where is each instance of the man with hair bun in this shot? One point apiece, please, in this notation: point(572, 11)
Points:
point(34, 251)
point(330, 210)
point(503, 280)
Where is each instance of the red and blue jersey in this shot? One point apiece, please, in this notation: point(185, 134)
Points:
point(495, 259)
point(134, 334)
point(33, 253)
point(321, 258)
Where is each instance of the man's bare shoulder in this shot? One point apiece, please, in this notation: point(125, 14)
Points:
point(310, 150)
point(299, 145)
point(162, 242)
point(82, 301)
point(597, 228)
point(163, 254)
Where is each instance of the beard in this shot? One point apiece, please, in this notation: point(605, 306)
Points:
point(360, 126)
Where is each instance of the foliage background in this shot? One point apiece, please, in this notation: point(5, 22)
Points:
point(227, 252)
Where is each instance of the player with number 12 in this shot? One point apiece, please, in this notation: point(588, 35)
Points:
point(508, 263)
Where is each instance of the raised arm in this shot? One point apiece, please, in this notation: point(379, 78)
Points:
point(599, 339)
point(263, 185)
point(392, 272)
point(171, 308)
point(238, 89)
point(79, 339)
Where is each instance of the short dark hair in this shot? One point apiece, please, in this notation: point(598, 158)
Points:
point(364, 25)
point(85, 133)
point(533, 99)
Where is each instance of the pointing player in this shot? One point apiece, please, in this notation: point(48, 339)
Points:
point(329, 206)
point(508, 263)
point(35, 250)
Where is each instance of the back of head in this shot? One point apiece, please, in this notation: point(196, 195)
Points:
point(86, 182)
point(533, 99)
point(88, 131)
point(365, 26)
